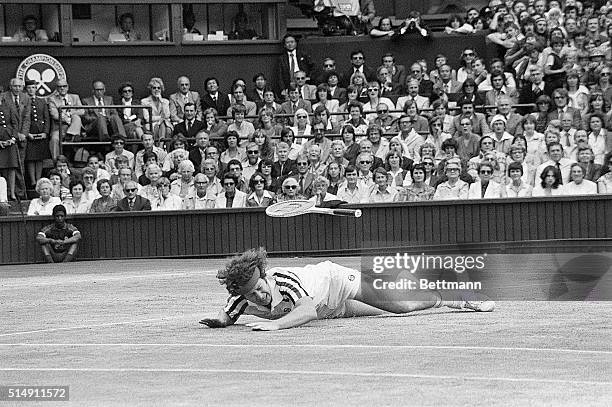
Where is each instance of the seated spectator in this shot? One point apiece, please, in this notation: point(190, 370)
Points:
point(412, 86)
point(356, 120)
point(288, 137)
point(295, 103)
point(153, 173)
point(517, 188)
point(98, 122)
point(316, 165)
point(132, 118)
point(485, 187)
point(604, 182)
point(383, 29)
point(232, 197)
point(499, 89)
point(335, 175)
point(321, 195)
point(180, 99)
point(600, 138)
point(513, 120)
point(456, 25)
point(77, 203)
point(241, 29)
point(185, 184)
point(44, 204)
point(337, 93)
point(93, 162)
point(302, 128)
point(59, 240)
point(242, 127)
point(69, 120)
point(271, 183)
point(125, 175)
point(266, 130)
point(167, 201)
point(374, 99)
point(351, 191)
point(256, 95)
point(324, 99)
point(419, 189)
point(125, 31)
point(58, 190)
point(213, 126)
point(283, 165)
point(382, 192)
point(105, 203)
point(579, 185)
point(557, 160)
point(497, 65)
point(396, 144)
point(478, 120)
point(160, 114)
point(409, 136)
point(91, 192)
point(250, 166)
point(132, 201)
point(232, 151)
point(259, 196)
point(437, 135)
point(396, 173)
point(331, 125)
point(29, 30)
point(149, 148)
point(234, 167)
point(365, 146)
point(585, 158)
point(199, 197)
point(248, 108)
point(453, 188)
point(213, 99)
point(364, 163)
point(289, 191)
point(304, 176)
point(324, 144)
point(412, 25)
point(502, 139)
point(384, 120)
point(209, 167)
point(550, 182)
point(118, 143)
point(351, 146)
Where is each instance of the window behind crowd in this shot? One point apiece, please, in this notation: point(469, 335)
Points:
point(121, 23)
point(30, 23)
point(222, 21)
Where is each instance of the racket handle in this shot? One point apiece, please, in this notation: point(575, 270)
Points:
point(356, 213)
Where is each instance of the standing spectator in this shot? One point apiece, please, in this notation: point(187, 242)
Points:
point(37, 148)
point(179, 99)
point(131, 117)
point(160, 115)
point(232, 197)
point(132, 201)
point(44, 204)
point(59, 240)
point(97, 122)
point(69, 120)
point(9, 153)
point(292, 61)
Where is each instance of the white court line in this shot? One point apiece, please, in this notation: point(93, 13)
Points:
point(70, 328)
point(311, 373)
point(88, 278)
point(323, 346)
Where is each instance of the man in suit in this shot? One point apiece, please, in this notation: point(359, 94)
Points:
point(479, 121)
point(132, 118)
point(69, 120)
point(303, 176)
point(283, 166)
point(425, 85)
point(198, 152)
point(498, 81)
point(335, 91)
point(329, 65)
point(449, 86)
point(213, 98)
point(19, 102)
point(132, 201)
point(358, 64)
point(398, 72)
point(294, 103)
point(560, 107)
point(307, 92)
point(529, 94)
point(513, 120)
point(256, 95)
point(292, 61)
point(179, 99)
point(98, 121)
point(191, 125)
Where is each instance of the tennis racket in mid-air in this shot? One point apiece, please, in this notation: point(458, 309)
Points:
point(287, 209)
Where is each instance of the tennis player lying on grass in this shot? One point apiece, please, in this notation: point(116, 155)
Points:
point(292, 296)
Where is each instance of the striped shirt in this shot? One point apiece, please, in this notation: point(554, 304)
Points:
point(286, 288)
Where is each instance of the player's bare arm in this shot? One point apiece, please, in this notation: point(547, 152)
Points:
point(303, 312)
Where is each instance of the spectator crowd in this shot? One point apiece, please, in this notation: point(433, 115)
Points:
point(534, 120)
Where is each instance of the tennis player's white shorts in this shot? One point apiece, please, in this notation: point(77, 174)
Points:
point(343, 285)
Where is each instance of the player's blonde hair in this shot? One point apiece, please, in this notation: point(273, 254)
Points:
point(239, 270)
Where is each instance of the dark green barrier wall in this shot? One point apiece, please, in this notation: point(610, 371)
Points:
point(449, 226)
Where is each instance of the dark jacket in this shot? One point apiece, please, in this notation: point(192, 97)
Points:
point(140, 204)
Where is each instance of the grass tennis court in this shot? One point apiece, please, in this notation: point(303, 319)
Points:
point(126, 333)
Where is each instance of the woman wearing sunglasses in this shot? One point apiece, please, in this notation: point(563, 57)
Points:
point(485, 187)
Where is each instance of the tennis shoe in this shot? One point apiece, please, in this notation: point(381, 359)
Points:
point(481, 306)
